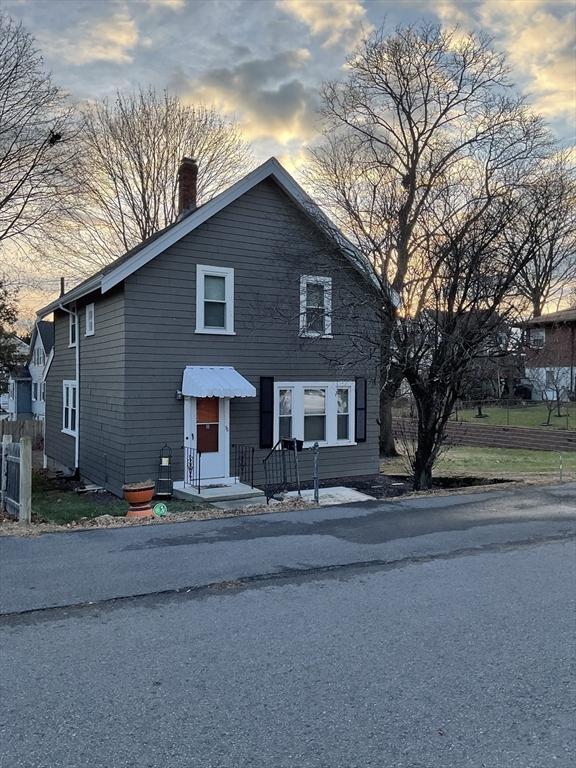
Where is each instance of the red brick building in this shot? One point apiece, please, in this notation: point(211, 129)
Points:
point(551, 355)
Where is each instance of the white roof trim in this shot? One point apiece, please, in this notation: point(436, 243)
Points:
point(215, 381)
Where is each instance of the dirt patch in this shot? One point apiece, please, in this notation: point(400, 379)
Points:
point(386, 486)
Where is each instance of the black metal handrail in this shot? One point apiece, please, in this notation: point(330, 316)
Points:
point(192, 467)
point(243, 464)
point(281, 470)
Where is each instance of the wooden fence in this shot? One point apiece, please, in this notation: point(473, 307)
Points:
point(16, 478)
point(23, 428)
point(466, 433)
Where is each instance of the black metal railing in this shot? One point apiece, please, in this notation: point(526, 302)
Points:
point(243, 463)
point(281, 470)
point(192, 468)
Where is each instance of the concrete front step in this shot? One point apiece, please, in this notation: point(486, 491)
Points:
point(235, 493)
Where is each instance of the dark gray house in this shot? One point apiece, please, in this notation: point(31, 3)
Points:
point(243, 322)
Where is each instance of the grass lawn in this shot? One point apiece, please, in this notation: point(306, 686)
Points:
point(522, 416)
point(495, 462)
point(61, 506)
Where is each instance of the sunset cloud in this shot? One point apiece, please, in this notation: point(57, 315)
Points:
point(539, 41)
point(334, 21)
point(265, 93)
point(112, 39)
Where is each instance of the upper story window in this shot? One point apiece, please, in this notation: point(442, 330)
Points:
point(537, 337)
point(214, 299)
point(34, 390)
point(315, 306)
point(69, 407)
point(315, 412)
point(89, 320)
point(72, 329)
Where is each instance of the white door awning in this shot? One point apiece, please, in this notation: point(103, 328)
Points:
point(215, 381)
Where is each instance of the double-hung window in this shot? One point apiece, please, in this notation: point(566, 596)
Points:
point(34, 390)
point(537, 337)
point(284, 413)
point(214, 300)
point(72, 329)
point(315, 412)
point(89, 320)
point(315, 306)
point(70, 408)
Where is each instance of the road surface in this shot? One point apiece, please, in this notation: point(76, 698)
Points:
point(449, 642)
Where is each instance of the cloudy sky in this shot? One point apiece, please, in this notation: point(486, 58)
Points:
point(263, 60)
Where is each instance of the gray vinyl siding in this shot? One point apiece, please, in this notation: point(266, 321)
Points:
point(100, 396)
point(102, 368)
point(269, 244)
point(58, 446)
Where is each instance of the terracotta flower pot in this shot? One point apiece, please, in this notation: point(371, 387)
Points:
point(139, 496)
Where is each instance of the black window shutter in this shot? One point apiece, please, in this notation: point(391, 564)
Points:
point(360, 409)
point(266, 411)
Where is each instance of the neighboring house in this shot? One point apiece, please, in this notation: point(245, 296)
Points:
point(17, 401)
point(236, 325)
point(550, 342)
point(26, 394)
point(41, 345)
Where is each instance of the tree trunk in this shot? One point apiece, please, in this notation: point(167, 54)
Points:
point(387, 444)
point(424, 461)
point(422, 476)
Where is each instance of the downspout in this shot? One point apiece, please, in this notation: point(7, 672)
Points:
point(77, 437)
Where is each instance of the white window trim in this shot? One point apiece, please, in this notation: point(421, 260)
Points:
point(306, 280)
point(72, 319)
point(66, 430)
point(202, 270)
point(89, 331)
point(34, 386)
point(331, 388)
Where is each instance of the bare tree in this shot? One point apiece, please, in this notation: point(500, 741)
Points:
point(9, 355)
point(424, 147)
point(548, 212)
point(37, 128)
point(127, 175)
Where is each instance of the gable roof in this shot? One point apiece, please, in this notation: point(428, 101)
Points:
point(137, 257)
point(45, 329)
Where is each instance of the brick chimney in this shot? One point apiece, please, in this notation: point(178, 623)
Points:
point(187, 183)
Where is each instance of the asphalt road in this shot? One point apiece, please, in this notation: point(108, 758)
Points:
point(450, 646)
point(64, 569)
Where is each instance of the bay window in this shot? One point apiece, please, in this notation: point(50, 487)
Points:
point(315, 412)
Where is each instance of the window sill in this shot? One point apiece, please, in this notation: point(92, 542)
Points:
point(215, 332)
point(310, 335)
point(69, 432)
point(89, 334)
point(324, 444)
point(72, 346)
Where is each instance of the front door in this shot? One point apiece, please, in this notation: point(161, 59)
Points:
point(210, 435)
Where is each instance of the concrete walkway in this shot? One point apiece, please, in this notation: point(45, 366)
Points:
point(89, 566)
